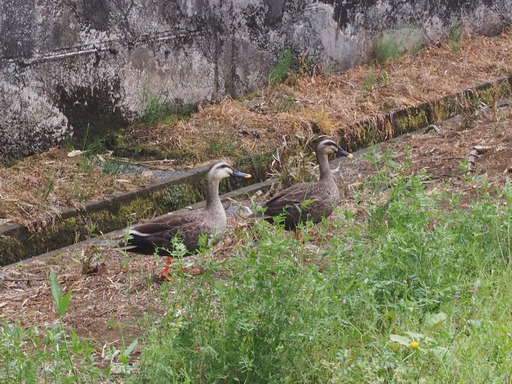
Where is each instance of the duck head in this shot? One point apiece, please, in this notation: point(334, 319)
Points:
point(326, 146)
point(223, 170)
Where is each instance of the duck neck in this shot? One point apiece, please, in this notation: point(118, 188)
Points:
point(213, 202)
point(325, 170)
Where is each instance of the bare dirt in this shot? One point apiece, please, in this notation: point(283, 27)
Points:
point(112, 289)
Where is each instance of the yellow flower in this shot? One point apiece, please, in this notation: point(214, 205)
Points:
point(414, 344)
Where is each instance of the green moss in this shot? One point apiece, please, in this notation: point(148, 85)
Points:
point(441, 111)
point(409, 121)
point(367, 134)
point(257, 165)
point(505, 89)
point(11, 248)
point(375, 130)
point(497, 91)
point(181, 195)
point(251, 96)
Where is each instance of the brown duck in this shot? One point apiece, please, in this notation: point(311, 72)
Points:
point(157, 235)
point(309, 201)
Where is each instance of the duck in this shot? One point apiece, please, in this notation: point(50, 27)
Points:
point(309, 201)
point(157, 236)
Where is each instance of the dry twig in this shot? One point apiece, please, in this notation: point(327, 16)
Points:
point(475, 153)
point(433, 127)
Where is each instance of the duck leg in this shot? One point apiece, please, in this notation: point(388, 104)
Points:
point(165, 272)
point(298, 236)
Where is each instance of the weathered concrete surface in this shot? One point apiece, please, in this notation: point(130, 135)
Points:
point(90, 66)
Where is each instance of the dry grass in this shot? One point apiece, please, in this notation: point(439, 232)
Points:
point(113, 290)
point(331, 104)
point(38, 187)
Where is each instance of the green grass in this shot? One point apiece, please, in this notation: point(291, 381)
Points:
point(52, 355)
point(393, 44)
point(372, 81)
point(418, 269)
point(456, 32)
point(282, 69)
point(42, 356)
point(387, 48)
point(153, 108)
point(413, 267)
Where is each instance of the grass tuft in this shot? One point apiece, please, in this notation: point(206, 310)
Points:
point(387, 48)
point(456, 32)
point(281, 71)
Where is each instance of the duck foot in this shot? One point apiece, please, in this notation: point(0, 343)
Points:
point(298, 236)
point(165, 272)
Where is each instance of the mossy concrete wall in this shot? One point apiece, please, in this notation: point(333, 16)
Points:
point(89, 66)
point(400, 121)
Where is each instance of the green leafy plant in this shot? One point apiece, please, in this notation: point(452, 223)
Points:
point(456, 32)
point(369, 82)
point(61, 302)
point(387, 48)
point(32, 355)
point(373, 81)
point(123, 355)
point(49, 186)
point(394, 43)
point(113, 166)
point(153, 108)
point(280, 72)
point(35, 355)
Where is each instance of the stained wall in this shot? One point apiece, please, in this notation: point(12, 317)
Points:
point(86, 67)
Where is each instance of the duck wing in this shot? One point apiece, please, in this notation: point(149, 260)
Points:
point(295, 196)
point(160, 233)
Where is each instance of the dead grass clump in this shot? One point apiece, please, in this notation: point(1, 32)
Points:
point(37, 188)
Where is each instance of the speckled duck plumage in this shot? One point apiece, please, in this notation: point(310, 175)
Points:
point(309, 201)
point(188, 226)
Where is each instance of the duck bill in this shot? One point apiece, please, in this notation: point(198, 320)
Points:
point(240, 174)
point(341, 152)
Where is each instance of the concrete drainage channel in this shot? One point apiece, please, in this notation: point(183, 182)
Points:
point(112, 238)
point(168, 194)
point(187, 188)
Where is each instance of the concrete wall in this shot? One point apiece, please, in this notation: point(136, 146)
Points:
point(68, 67)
